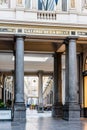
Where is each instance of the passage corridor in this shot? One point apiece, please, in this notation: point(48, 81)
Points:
point(43, 121)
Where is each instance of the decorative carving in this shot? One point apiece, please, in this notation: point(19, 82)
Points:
point(2, 2)
point(72, 3)
point(19, 2)
point(85, 4)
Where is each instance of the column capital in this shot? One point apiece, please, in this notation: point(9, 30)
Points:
point(40, 72)
point(72, 38)
point(56, 54)
point(19, 36)
point(66, 41)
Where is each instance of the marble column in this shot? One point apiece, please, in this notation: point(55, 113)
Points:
point(40, 92)
point(57, 92)
point(71, 109)
point(3, 90)
point(19, 106)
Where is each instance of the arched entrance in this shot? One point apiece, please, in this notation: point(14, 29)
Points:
point(50, 45)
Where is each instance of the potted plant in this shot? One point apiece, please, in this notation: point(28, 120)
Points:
point(2, 105)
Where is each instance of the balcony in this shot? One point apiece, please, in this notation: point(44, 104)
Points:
point(11, 12)
point(45, 15)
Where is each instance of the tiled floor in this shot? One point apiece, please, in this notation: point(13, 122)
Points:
point(43, 121)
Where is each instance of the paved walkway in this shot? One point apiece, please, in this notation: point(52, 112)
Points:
point(43, 121)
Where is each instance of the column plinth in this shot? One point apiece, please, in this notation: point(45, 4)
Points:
point(57, 110)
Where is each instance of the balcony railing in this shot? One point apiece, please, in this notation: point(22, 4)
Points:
point(46, 15)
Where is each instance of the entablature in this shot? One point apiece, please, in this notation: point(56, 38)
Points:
point(42, 31)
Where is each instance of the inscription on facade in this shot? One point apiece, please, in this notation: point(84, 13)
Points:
point(42, 31)
point(4, 30)
point(82, 33)
point(46, 31)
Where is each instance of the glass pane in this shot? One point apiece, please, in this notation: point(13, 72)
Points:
point(64, 5)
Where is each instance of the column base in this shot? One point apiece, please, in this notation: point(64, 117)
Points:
point(71, 112)
point(57, 110)
point(19, 112)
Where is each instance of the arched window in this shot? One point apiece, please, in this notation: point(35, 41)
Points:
point(64, 5)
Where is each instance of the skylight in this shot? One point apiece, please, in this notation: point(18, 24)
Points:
point(34, 59)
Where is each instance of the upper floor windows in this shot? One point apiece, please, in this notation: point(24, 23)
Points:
point(46, 4)
point(64, 5)
point(4, 3)
point(49, 5)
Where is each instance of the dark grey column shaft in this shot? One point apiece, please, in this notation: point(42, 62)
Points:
point(4, 90)
point(40, 89)
point(57, 78)
point(19, 69)
point(57, 93)
point(72, 71)
point(67, 74)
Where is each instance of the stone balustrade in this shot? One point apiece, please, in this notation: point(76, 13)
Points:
point(46, 15)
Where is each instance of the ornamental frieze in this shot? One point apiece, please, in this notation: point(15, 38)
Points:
point(43, 31)
point(46, 31)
